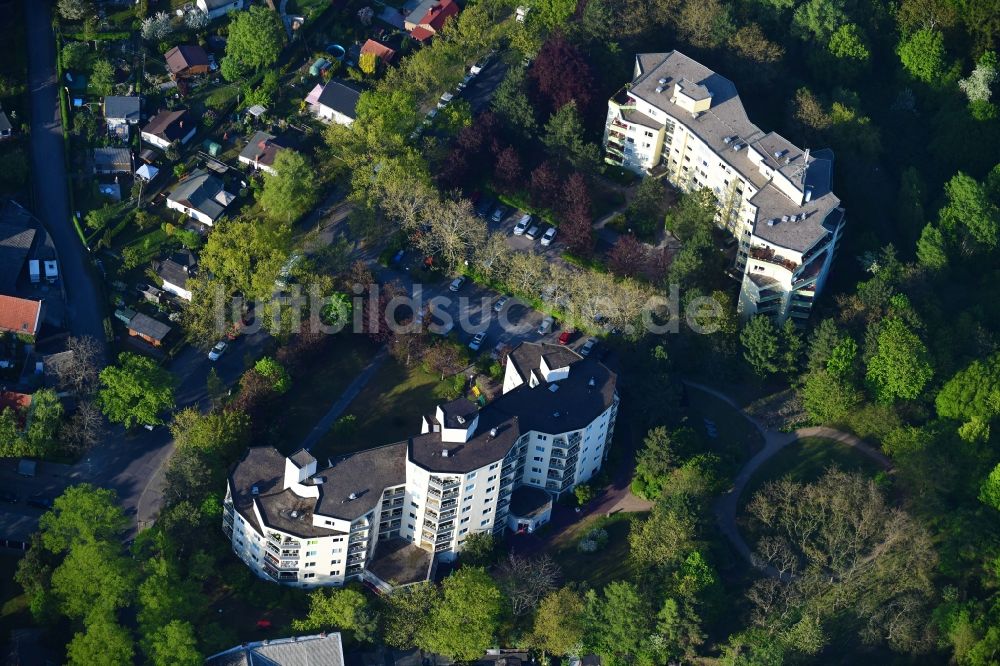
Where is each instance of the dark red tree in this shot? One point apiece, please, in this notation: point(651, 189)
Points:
point(628, 257)
point(508, 170)
point(561, 74)
point(577, 227)
point(546, 185)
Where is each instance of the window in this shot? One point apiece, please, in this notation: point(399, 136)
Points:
point(310, 564)
point(494, 465)
point(466, 509)
point(463, 521)
point(410, 525)
point(540, 448)
point(470, 487)
point(334, 561)
point(487, 510)
point(492, 478)
point(413, 515)
point(414, 505)
point(536, 470)
point(309, 575)
point(491, 489)
point(467, 498)
point(470, 475)
point(464, 530)
point(543, 438)
point(312, 542)
point(310, 553)
point(338, 550)
point(484, 523)
point(537, 458)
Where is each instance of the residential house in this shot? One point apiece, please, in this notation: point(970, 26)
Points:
point(201, 195)
point(392, 512)
point(260, 152)
point(120, 113)
point(20, 404)
point(334, 101)
point(380, 50)
point(217, 8)
point(325, 649)
point(681, 120)
point(428, 17)
point(20, 316)
point(166, 127)
point(6, 129)
point(146, 328)
point(175, 271)
point(186, 60)
point(146, 172)
point(110, 160)
point(15, 243)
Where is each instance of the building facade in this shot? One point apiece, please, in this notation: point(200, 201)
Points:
point(679, 120)
point(387, 514)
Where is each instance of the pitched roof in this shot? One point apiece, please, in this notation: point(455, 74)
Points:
point(380, 50)
point(15, 242)
point(170, 125)
point(420, 33)
point(439, 13)
point(325, 649)
point(151, 328)
point(14, 400)
point(185, 56)
point(173, 272)
point(200, 191)
point(20, 315)
point(119, 159)
point(262, 148)
point(121, 108)
point(340, 98)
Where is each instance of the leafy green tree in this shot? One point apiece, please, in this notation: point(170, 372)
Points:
point(560, 623)
point(346, 608)
point(664, 538)
point(82, 514)
point(848, 46)
point(275, 373)
point(292, 190)
point(166, 595)
point(761, 345)
point(136, 391)
point(547, 15)
point(969, 207)
point(103, 641)
point(973, 394)
point(478, 550)
point(989, 491)
point(843, 358)
point(12, 442)
point(466, 617)
point(661, 454)
point(922, 54)
point(255, 40)
point(45, 416)
point(620, 623)
point(174, 644)
point(75, 10)
point(74, 55)
point(818, 19)
point(646, 212)
point(408, 612)
point(511, 103)
point(102, 78)
point(828, 397)
point(900, 366)
point(792, 348)
point(932, 249)
point(94, 577)
point(564, 139)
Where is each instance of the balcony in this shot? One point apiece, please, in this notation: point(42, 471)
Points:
point(443, 485)
point(355, 559)
point(616, 148)
point(767, 255)
point(623, 99)
point(281, 565)
point(565, 454)
point(228, 530)
point(355, 569)
point(443, 527)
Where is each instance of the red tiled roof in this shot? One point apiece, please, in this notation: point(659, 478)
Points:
point(420, 33)
point(19, 315)
point(380, 50)
point(14, 400)
point(437, 15)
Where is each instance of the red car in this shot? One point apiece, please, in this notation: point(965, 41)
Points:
point(565, 337)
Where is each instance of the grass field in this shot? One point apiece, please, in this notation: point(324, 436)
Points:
point(599, 568)
point(737, 438)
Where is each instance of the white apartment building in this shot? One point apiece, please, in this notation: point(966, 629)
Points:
point(681, 120)
point(388, 514)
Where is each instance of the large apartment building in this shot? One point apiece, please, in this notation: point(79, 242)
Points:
point(388, 514)
point(682, 121)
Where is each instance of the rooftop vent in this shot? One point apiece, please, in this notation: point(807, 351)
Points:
point(659, 89)
point(727, 140)
point(352, 497)
point(737, 146)
point(592, 383)
point(662, 81)
point(771, 222)
point(444, 453)
point(255, 491)
point(436, 428)
point(784, 218)
point(554, 387)
point(778, 154)
point(319, 480)
point(294, 514)
point(493, 432)
point(555, 414)
point(460, 419)
point(809, 194)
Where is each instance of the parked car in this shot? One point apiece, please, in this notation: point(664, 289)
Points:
point(502, 301)
point(8, 496)
point(481, 64)
point(445, 100)
point(484, 207)
point(457, 283)
point(532, 233)
point(218, 350)
point(549, 236)
point(565, 337)
point(522, 225)
point(466, 80)
point(545, 326)
point(499, 350)
point(588, 347)
point(499, 213)
point(40, 502)
point(477, 341)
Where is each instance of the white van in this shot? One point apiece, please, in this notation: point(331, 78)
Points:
point(35, 271)
point(522, 225)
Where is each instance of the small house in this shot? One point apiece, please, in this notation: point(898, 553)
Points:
point(260, 152)
point(112, 160)
point(428, 18)
point(186, 60)
point(335, 102)
point(20, 316)
point(120, 113)
point(146, 172)
point(166, 127)
point(146, 328)
point(175, 271)
point(6, 129)
point(200, 196)
point(217, 8)
point(379, 50)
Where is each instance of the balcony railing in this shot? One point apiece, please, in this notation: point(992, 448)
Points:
point(768, 255)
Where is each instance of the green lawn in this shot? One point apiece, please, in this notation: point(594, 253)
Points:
point(599, 568)
point(312, 395)
point(737, 438)
point(388, 409)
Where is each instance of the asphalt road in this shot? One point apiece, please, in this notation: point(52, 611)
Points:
point(84, 303)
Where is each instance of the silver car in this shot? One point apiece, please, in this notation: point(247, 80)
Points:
point(588, 347)
point(545, 326)
point(502, 301)
point(477, 341)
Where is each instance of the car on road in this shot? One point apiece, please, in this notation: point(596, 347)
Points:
point(565, 337)
point(481, 64)
point(522, 225)
point(468, 78)
point(532, 233)
point(545, 326)
point(477, 341)
point(502, 301)
point(499, 213)
point(445, 100)
point(549, 236)
point(457, 283)
point(40, 502)
point(218, 350)
point(8, 496)
point(588, 347)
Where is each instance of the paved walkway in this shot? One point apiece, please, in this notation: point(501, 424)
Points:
point(728, 505)
point(345, 399)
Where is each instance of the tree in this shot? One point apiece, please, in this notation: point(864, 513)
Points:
point(136, 391)
point(973, 393)
point(292, 190)
point(196, 20)
point(82, 514)
point(512, 104)
point(45, 416)
point(900, 366)
point(75, 10)
point(848, 46)
point(367, 63)
point(525, 580)
point(979, 86)
point(102, 78)
point(564, 138)
point(760, 345)
point(922, 54)
point(620, 624)
point(970, 209)
point(577, 227)
point(705, 23)
point(989, 491)
point(478, 550)
point(628, 257)
point(77, 371)
point(545, 185)
point(466, 617)
point(664, 538)
point(647, 209)
point(103, 641)
point(661, 453)
point(750, 42)
point(84, 427)
point(94, 577)
point(408, 613)
point(562, 75)
point(346, 608)
point(157, 27)
point(560, 626)
point(255, 40)
point(827, 397)
point(174, 645)
point(508, 169)
point(818, 19)
point(932, 250)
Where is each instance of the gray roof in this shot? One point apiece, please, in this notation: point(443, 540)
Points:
point(725, 125)
point(302, 458)
point(340, 98)
point(483, 448)
point(121, 108)
point(113, 159)
point(366, 474)
point(317, 650)
point(262, 148)
point(198, 191)
point(458, 413)
point(146, 325)
point(528, 501)
point(263, 468)
point(169, 125)
point(173, 272)
point(15, 242)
